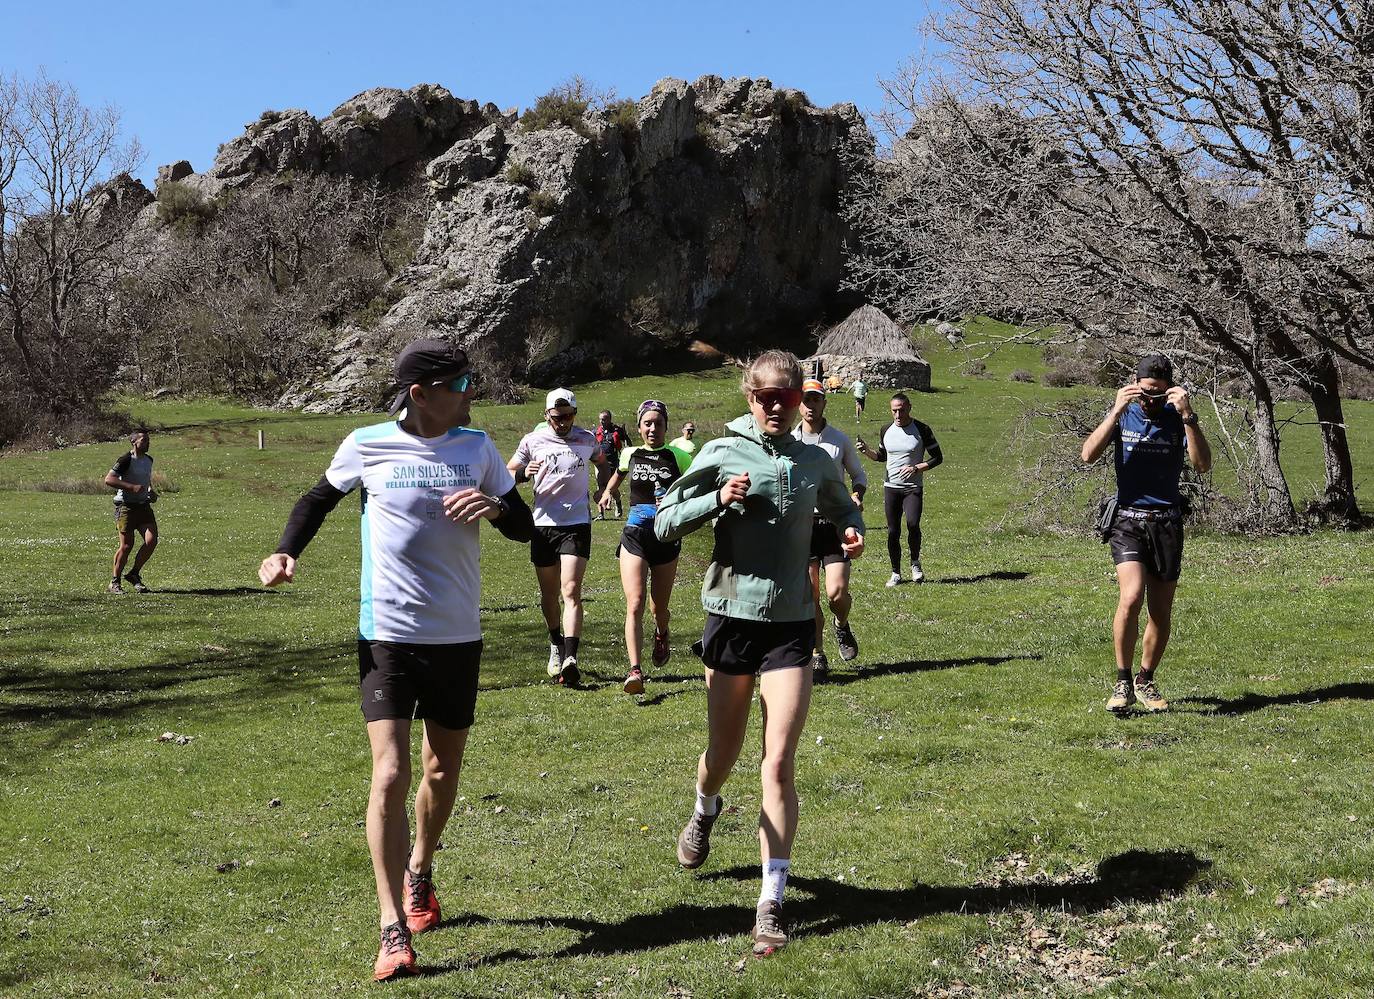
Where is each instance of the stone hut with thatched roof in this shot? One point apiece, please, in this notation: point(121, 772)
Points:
point(870, 342)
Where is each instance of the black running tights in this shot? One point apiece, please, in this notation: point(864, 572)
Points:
point(898, 504)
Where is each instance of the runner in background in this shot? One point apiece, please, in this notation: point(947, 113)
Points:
point(650, 468)
point(827, 554)
point(611, 438)
point(554, 458)
point(860, 389)
point(132, 479)
point(906, 442)
point(427, 483)
point(687, 443)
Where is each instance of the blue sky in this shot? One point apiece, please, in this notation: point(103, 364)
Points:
point(190, 76)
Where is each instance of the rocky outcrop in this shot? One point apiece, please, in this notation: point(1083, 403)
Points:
point(705, 212)
point(370, 135)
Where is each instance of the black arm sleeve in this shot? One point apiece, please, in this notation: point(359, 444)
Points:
point(307, 516)
point(932, 445)
point(516, 521)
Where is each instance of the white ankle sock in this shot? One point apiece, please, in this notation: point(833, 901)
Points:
point(774, 880)
point(707, 804)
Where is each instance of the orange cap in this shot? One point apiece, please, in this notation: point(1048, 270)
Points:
point(812, 385)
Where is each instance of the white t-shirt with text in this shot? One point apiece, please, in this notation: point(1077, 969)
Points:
point(560, 486)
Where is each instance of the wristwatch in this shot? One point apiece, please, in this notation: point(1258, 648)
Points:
point(1190, 420)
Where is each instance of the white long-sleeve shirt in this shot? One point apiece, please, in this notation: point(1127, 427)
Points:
point(836, 443)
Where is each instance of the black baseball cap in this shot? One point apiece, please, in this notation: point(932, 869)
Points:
point(426, 360)
point(1155, 366)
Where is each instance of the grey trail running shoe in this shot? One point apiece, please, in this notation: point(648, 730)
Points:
point(1149, 696)
point(844, 638)
point(770, 929)
point(1122, 696)
point(694, 842)
point(820, 666)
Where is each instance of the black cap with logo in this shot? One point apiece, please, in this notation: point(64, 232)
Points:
point(424, 361)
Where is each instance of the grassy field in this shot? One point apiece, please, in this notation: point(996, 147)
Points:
point(973, 822)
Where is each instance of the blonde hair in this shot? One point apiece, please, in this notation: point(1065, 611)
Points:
point(780, 364)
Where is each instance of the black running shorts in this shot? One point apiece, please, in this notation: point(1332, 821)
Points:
point(741, 648)
point(551, 543)
point(1156, 544)
point(825, 543)
point(435, 682)
point(640, 540)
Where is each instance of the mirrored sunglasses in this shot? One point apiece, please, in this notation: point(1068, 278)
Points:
point(787, 398)
point(460, 384)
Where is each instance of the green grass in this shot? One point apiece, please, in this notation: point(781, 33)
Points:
point(973, 823)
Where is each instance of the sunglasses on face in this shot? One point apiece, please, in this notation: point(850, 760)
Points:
point(460, 384)
point(689, 431)
point(1153, 396)
point(787, 398)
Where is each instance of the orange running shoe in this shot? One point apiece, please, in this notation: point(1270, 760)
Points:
point(396, 957)
point(421, 904)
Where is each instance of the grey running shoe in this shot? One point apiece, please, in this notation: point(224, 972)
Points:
point(820, 666)
point(1122, 696)
point(1149, 696)
point(137, 583)
point(555, 665)
point(917, 576)
point(844, 638)
point(770, 929)
point(894, 580)
point(694, 842)
point(114, 587)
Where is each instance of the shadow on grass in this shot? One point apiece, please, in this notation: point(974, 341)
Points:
point(921, 666)
point(1002, 574)
point(1251, 701)
point(212, 591)
point(821, 906)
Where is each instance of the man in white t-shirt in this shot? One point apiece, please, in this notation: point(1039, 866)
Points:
point(554, 457)
point(860, 396)
point(427, 483)
point(827, 555)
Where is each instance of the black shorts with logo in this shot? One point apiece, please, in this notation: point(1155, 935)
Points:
point(551, 543)
point(741, 648)
point(435, 682)
point(1156, 544)
point(825, 543)
point(640, 540)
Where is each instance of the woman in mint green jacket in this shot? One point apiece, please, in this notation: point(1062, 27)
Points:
point(759, 486)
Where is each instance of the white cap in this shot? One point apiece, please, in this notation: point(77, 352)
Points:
point(560, 397)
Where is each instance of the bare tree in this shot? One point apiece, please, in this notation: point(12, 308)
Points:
point(1191, 174)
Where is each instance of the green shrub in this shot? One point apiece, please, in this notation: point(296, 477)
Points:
point(563, 105)
point(366, 120)
point(542, 203)
point(182, 206)
point(624, 115)
point(518, 173)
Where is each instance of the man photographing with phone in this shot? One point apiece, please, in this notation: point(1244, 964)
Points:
point(1151, 427)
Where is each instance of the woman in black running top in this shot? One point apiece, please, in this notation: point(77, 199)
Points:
point(651, 469)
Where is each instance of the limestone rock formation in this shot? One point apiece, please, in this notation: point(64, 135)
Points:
point(705, 212)
point(870, 343)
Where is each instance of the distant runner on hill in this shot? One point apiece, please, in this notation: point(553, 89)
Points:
point(860, 390)
point(905, 444)
point(1151, 428)
point(687, 443)
point(427, 483)
point(132, 479)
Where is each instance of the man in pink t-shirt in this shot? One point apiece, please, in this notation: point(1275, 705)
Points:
point(554, 458)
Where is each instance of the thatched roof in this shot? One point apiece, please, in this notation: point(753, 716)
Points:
point(868, 332)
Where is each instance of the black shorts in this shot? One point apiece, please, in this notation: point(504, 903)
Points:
point(742, 648)
point(825, 543)
point(859, 400)
point(1156, 544)
point(640, 540)
point(551, 543)
point(434, 682)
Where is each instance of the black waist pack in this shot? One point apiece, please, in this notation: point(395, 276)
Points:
point(1106, 516)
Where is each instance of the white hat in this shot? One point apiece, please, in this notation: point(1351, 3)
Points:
point(560, 397)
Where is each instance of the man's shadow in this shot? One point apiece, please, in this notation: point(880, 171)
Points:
point(835, 679)
point(1251, 701)
point(821, 906)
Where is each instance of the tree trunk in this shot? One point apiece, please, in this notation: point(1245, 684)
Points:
point(1268, 487)
point(1322, 384)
